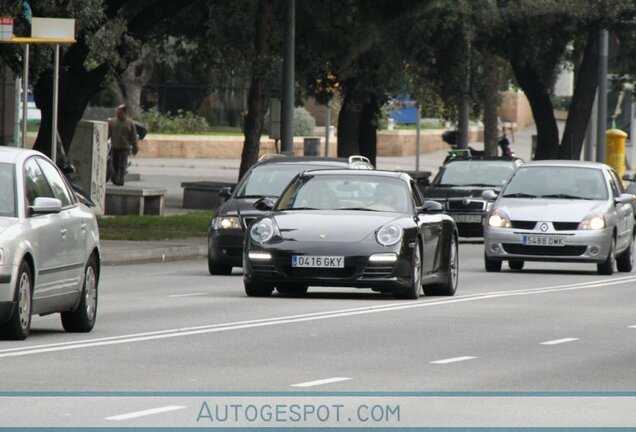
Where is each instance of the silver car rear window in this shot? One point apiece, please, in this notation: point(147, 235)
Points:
point(7, 190)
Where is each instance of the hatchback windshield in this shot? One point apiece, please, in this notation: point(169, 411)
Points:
point(7, 190)
point(557, 182)
point(475, 173)
point(269, 180)
point(334, 192)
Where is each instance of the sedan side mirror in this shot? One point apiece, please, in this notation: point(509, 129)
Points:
point(628, 178)
point(264, 204)
point(225, 192)
point(431, 207)
point(489, 195)
point(45, 205)
point(625, 198)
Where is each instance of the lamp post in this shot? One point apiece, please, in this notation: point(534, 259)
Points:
point(287, 118)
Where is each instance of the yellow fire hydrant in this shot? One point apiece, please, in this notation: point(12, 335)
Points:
point(615, 150)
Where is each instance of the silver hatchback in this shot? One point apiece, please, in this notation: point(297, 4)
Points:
point(49, 247)
point(569, 211)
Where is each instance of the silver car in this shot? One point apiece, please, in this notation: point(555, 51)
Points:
point(49, 247)
point(569, 211)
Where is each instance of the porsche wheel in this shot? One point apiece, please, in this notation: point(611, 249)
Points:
point(258, 289)
point(82, 319)
point(19, 324)
point(413, 292)
point(450, 286)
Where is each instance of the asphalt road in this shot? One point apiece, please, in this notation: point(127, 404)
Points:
point(554, 345)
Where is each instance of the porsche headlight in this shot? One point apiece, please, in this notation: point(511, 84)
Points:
point(226, 222)
point(499, 219)
point(593, 221)
point(389, 235)
point(263, 231)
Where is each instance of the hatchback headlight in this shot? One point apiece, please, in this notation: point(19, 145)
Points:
point(226, 222)
point(593, 221)
point(389, 235)
point(263, 230)
point(499, 219)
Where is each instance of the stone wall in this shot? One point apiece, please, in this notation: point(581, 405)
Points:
point(515, 108)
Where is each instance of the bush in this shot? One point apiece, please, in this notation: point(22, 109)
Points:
point(181, 123)
point(304, 122)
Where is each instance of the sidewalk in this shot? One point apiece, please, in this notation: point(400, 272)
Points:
point(170, 173)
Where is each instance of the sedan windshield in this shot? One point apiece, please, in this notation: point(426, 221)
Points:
point(269, 180)
point(558, 182)
point(474, 173)
point(356, 193)
point(7, 190)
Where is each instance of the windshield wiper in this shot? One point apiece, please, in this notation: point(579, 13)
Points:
point(300, 208)
point(480, 185)
point(519, 195)
point(257, 196)
point(358, 208)
point(563, 195)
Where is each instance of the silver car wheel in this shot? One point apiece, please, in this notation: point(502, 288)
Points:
point(24, 301)
point(90, 283)
point(453, 259)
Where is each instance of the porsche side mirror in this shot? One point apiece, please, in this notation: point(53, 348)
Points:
point(430, 207)
point(264, 204)
point(225, 192)
point(489, 195)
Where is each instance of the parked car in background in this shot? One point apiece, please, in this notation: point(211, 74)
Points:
point(346, 228)
point(458, 186)
point(565, 211)
point(266, 179)
point(49, 247)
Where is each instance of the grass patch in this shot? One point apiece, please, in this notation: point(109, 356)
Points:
point(154, 227)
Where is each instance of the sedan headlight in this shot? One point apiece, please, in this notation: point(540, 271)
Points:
point(593, 221)
point(2, 255)
point(226, 222)
point(499, 219)
point(389, 235)
point(263, 230)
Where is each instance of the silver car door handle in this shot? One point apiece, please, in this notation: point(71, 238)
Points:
point(63, 231)
point(83, 227)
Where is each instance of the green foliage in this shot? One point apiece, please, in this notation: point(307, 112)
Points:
point(561, 102)
point(180, 123)
point(304, 122)
point(154, 227)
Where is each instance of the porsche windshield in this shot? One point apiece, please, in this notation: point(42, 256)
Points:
point(475, 173)
point(7, 190)
point(557, 182)
point(356, 193)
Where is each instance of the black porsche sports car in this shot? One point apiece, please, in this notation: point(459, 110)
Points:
point(458, 186)
point(351, 228)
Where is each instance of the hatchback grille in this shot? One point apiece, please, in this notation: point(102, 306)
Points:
point(519, 249)
point(459, 204)
point(527, 225)
point(565, 226)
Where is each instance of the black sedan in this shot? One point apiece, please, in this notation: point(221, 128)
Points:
point(458, 186)
point(351, 228)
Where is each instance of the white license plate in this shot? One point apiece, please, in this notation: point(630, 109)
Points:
point(317, 261)
point(543, 241)
point(467, 218)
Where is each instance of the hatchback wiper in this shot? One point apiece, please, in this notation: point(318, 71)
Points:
point(519, 195)
point(480, 185)
point(562, 195)
point(357, 209)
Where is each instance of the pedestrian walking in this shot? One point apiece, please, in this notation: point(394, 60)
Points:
point(123, 138)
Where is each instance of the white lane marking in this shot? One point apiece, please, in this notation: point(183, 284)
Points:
point(185, 295)
point(213, 328)
point(321, 382)
point(634, 326)
point(559, 341)
point(453, 360)
point(147, 412)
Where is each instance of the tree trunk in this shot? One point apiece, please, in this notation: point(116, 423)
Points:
point(542, 110)
point(582, 101)
point(490, 96)
point(257, 97)
point(368, 137)
point(349, 120)
point(133, 80)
